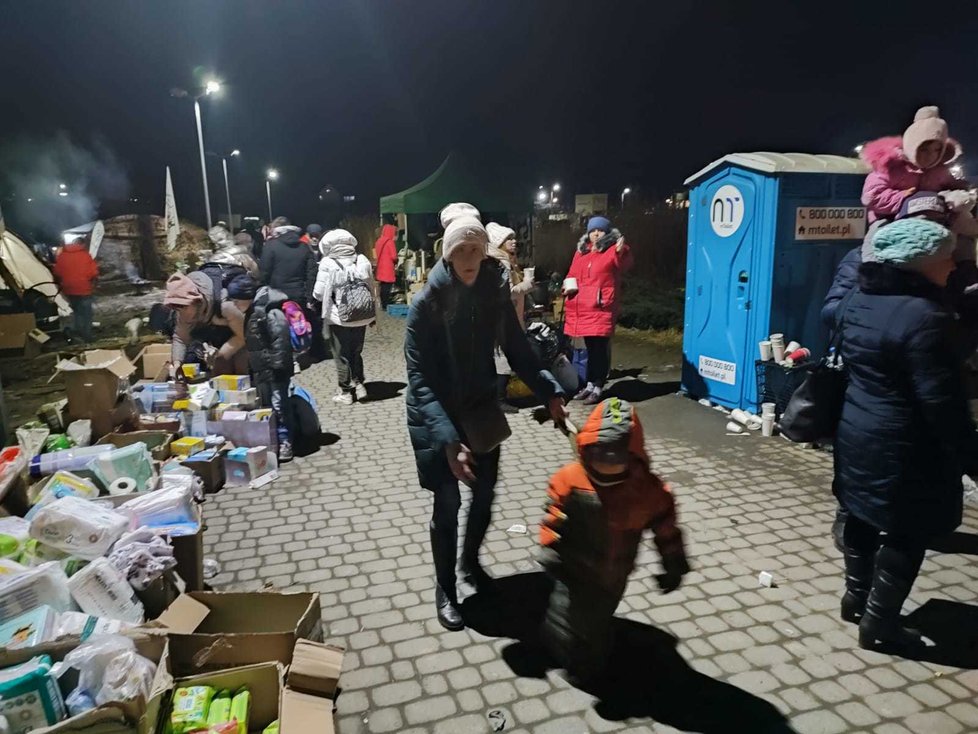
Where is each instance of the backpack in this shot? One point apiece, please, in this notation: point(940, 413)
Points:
point(353, 297)
point(220, 274)
point(300, 330)
point(305, 418)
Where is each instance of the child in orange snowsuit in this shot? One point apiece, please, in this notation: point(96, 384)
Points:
point(598, 509)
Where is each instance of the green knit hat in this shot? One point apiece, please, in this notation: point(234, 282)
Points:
point(909, 242)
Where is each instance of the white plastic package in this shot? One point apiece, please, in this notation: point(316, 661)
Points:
point(31, 440)
point(78, 527)
point(142, 556)
point(169, 510)
point(101, 590)
point(80, 431)
point(79, 624)
point(46, 584)
point(110, 669)
point(14, 533)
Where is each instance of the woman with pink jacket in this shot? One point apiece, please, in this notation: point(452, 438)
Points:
point(591, 309)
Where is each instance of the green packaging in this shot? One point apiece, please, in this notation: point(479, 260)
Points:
point(240, 707)
point(271, 728)
point(190, 708)
point(220, 710)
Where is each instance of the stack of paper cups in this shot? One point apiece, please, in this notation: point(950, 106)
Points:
point(767, 425)
point(777, 347)
point(767, 409)
point(766, 353)
point(792, 346)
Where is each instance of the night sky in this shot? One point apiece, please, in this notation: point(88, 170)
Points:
point(369, 96)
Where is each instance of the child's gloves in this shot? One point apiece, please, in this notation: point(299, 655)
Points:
point(959, 200)
point(675, 567)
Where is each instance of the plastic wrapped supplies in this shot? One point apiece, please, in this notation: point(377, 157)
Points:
point(78, 527)
point(110, 669)
point(142, 556)
point(29, 695)
point(21, 592)
point(169, 510)
point(31, 437)
point(129, 462)
point(101, 590)
point(14, 534)
point(58, 485)
point(80, 432)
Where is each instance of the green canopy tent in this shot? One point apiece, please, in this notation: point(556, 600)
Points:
point(457, 179)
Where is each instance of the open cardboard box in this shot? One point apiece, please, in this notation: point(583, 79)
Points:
point(93, 380)
point(158, 442)
point(143, 711)
point(153, 361)
point(311, 687)
point(211, 629)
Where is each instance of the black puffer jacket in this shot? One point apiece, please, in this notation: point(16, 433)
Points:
point(906, 435)
point(452, 331)
point(288, 265)
point(267, 336)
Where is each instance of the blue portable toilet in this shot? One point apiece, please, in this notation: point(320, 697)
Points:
point(766, 233)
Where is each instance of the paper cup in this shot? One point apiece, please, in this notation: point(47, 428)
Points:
point(767, 425)
point(528, 274)
point(754, 422)
point(792, 346)
point(767, 354)
point(739, 416)
point(778, 349)
point(777, 338)
point(733, 427)
point(570, 285)
point(768, 409)
point(799, 355)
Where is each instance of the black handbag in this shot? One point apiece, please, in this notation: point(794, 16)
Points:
point(815, 408)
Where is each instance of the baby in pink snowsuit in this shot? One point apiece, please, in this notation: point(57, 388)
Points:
point(919, 161)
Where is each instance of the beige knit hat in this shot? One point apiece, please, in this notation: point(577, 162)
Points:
point(927, 125)
point(462, 223)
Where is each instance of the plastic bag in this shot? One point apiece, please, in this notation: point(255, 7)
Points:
point(80, 431)
point(142, 556)
point(169, 510)
point(133, 461)
point(57, 442)
point(110, 669)
point(58, 485)
point(78, 527)
point(31, 437)
point(14, 533)
point(46, 584)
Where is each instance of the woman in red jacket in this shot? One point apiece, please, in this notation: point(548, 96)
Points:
point(385, 252)
point(76, 273)
point(592, 305)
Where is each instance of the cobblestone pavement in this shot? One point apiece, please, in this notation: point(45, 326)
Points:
point(720, 654)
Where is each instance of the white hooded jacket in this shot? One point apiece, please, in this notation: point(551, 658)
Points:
point(340, 262)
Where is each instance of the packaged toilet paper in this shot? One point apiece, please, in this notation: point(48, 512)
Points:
point(133, 461)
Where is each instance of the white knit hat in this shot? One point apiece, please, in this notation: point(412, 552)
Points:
point(462, 224)
point(498, 234)
point(340, 238)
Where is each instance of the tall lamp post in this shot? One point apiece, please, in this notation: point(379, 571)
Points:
point(271, 175)
point(553, 193)
point(624, 192)
point(227, 188)
point(211, 87)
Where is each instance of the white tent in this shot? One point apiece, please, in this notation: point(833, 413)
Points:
point(24, 271)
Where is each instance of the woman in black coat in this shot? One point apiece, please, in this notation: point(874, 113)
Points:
point(453, 329)
point(906, 435)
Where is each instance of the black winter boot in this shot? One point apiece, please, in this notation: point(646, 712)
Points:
point(859, 580)
point(880, 625)
point(449, 616)
point(443, 549)
point(475, 533)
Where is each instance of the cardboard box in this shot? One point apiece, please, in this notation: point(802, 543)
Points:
point(158, 442)
point(247, 398)
point(95, 380)
point(209, 466)
point(153, 361)
point(263, 681)
point(121, 418)
point(212, 630)
point(240, 433)
point(231, 382)
point(244, 465)
point(187, 446)
point(14, 328)
point(311, 685)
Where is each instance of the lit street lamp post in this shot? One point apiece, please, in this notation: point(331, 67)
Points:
point(227, 188)
point(211, 87)
point(272, 175)
point(624, 192)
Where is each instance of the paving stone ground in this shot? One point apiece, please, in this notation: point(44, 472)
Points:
point(719, 655)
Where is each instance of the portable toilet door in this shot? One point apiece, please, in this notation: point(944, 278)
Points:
point(726, 229)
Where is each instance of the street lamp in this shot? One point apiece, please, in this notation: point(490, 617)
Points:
point(227, 188)
point(624, 192)
point(553, 193)
point(271, 175)
point(541, 196)
point(212, 86)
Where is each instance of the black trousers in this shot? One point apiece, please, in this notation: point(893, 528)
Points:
point(385, 294)
point(444, 520)
point(598, 359)
point(348, 354)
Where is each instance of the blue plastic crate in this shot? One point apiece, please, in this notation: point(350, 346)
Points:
point(400, 310)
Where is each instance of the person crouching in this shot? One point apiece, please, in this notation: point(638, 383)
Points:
point(269, 345)
point(598, 509)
